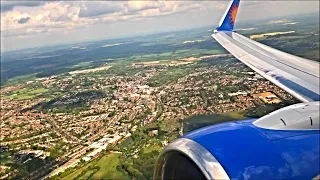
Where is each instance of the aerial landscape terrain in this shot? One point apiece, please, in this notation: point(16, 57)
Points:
point(105, 109)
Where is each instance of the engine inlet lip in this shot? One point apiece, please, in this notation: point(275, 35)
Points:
point(207, 163)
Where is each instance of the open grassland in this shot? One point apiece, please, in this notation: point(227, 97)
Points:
point(108, 169)
point(164, 62)
point(5, 158)
point(83, 64)
point(153, 148)
point(184, 53)
point(19, 80)
point(104, 168)
point(102, 68)
point(25, 93)
point(173, 55)
point(174, 58)
point(258, 36)
point(152, 57)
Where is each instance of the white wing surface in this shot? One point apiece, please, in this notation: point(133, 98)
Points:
point(297, 76)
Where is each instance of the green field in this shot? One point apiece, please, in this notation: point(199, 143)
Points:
point(20, 79)
point(173, 55)
point(82, 64)
point(152, 148)
point(25, 93)
point(196, 52)
point(152, 57)
point(5, 158)
point(107, 169)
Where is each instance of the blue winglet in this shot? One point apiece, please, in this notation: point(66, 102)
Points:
point(229, 18)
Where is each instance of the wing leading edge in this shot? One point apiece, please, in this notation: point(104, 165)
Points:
point(297, 76)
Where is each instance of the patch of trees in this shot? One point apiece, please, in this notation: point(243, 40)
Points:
point(73, 103)
point(57, 150)
point(139, 168)
point(260, 111)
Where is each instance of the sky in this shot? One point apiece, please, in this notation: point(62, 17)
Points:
point(26, 24)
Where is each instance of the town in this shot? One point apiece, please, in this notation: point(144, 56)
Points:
point(72, 118)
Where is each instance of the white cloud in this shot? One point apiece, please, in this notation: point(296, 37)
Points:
point(39, 18)
point(133, 6)
point(72, 15)
point(97, 8)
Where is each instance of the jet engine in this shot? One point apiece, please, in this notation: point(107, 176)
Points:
point(281, 145)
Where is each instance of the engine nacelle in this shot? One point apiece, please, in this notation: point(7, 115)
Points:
point(186, 159)
point(265, 148)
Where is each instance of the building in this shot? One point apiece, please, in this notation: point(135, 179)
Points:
point(267, 97)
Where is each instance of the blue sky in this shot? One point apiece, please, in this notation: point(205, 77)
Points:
point(27, 24)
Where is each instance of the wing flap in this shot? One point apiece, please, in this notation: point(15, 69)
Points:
point(297, 76)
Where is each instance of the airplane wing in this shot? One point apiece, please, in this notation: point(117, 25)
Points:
point(298, 76)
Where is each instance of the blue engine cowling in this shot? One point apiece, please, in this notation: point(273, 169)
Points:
point(241, 150)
